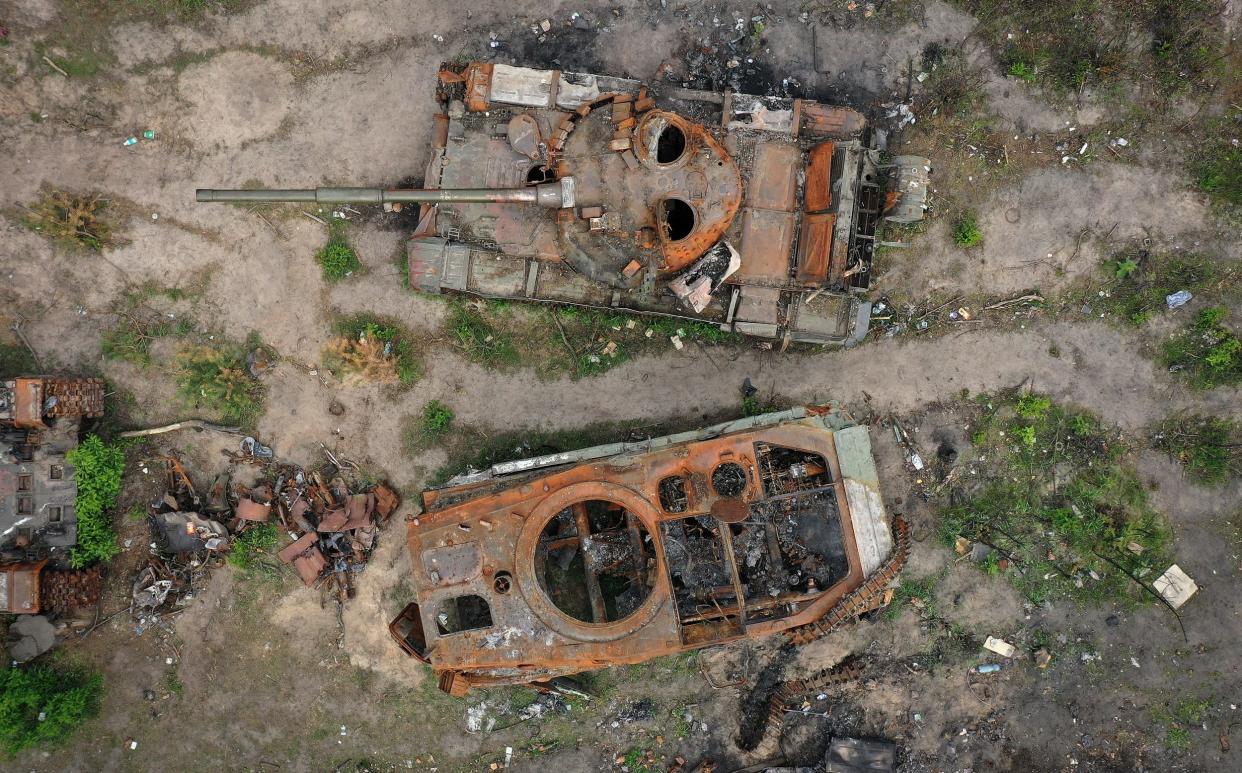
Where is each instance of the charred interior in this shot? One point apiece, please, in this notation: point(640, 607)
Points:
point(619, 553)
point(593, 561)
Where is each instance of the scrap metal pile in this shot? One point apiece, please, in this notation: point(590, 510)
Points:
point(331, 519)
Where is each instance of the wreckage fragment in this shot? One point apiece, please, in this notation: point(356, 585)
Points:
point(615, 554)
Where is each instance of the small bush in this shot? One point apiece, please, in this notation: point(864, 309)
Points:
point(71, 219)
point(97, 471)
point(258, 539)
point(966, 231)
point(216, 379)
point(1204, 445)
point(337, 259)
point(373, 349)
point(43, 706)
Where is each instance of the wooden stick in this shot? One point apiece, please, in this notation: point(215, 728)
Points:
point(190, 424)
point(53, 65)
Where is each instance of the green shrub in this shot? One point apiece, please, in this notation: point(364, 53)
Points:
point(257, 539)
point(966, 231)
point(97, 471)
point(216, 379)
point(337, 259)
point(42, 706)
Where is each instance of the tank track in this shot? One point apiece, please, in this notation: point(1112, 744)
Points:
point(846, 671)
point(868, 597)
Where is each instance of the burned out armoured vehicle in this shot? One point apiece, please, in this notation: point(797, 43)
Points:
point(758, 214)
point(549, 566)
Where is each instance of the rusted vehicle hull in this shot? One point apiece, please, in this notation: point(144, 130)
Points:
point(616, 554)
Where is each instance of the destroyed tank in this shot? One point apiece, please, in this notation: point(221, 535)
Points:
point(549, 566)
point(757, 214)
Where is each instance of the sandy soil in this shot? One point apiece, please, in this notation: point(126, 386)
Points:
point(294, 93)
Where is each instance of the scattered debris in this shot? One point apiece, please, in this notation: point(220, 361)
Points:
point(1178, 299)
point(999, 646)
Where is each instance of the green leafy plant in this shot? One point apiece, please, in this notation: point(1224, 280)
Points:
point(1125, 268)
point(256, 540)
point(1027, 435)
point(1022, 71)
point(1033, 406)
point(966, 231)
point(43, 706)
point(97, 471)
point(337, 259)
point(216, 379)
point(437, 418)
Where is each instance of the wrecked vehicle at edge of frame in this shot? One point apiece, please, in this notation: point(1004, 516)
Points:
point(616, 554)
point(756, 214)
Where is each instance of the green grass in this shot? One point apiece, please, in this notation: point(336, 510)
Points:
point(1207, 353)
point(909, 591)
point(475, 333)
point(1056, 498)
point(1217, 170)
point(98, 468)
point(249, 547)
point(43, 705)
point(337, 259)
point(214, 378)
point(1022, 71)
point(430, 428)
point(15, 360)
point(1139, 282)
point(569, 341)
point(1209, 447)
point(966, 231)
point(1067, 46)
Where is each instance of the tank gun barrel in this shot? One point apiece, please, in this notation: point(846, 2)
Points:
point(555, 195)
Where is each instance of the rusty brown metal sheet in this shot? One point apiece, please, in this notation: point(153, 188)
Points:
point(831, 120)
point(250, 510)
point(306, 558)
point(19, 587)
point(28, 404)
point(774, 176)
point(767, 240)
point(814, 246)
point(819, 177)
point(508, 577)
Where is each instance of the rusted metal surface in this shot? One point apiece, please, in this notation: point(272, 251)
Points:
point(617, 554)
point(308, 561)
point(19, 587)
point(639, 186)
